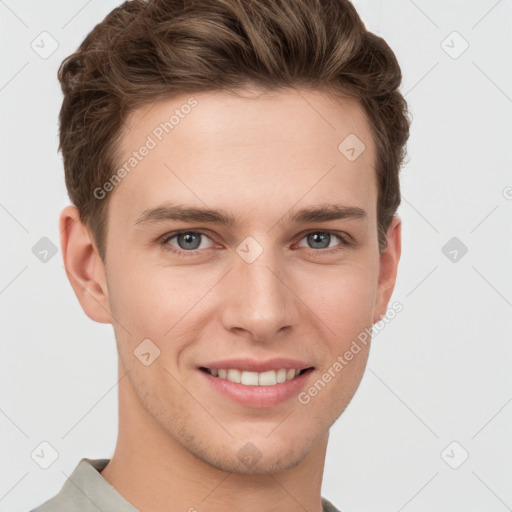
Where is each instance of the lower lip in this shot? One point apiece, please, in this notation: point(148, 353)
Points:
point(258, 396)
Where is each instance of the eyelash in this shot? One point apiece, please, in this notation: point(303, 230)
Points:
point(346, 241)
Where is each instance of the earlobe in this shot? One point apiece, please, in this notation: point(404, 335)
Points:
point(389, 259)
point(83, 266)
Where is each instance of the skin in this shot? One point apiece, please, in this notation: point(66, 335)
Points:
point(258, 156)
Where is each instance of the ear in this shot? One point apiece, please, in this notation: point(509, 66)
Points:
point(84, 267)
point(388, 267)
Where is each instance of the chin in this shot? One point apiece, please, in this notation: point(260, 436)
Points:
point(256, 455)
point(272, 463)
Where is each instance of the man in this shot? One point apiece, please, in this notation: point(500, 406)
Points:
point(233, 168)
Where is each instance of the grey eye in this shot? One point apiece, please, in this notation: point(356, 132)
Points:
point(320, 239)
point(190, 240)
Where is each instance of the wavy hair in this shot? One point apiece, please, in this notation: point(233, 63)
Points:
point(145, 51)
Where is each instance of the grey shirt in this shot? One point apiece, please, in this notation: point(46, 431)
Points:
point(87, 491)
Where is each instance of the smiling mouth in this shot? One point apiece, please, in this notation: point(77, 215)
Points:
point(248, 378)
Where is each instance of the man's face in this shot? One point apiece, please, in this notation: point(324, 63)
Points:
point(262, 288)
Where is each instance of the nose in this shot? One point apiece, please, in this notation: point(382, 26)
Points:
point(259, 298)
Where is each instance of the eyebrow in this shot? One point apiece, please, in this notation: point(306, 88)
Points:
point(320, 213)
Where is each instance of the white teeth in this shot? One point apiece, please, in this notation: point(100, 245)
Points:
point(268, 378)
point(249, 378)
point(281, 375)
point(234, 376)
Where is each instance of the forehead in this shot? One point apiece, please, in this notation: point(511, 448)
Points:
point(290, 114)
point(256, 151)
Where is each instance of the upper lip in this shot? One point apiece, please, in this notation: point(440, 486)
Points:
point(254, 365)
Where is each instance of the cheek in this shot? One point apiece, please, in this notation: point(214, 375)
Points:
point(346, 308)
point(145, 297)
point(343, 296)
point(161, 304)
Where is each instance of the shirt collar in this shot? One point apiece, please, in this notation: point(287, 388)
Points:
point(87, 488)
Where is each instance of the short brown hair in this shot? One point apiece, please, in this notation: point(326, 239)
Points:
point(145, 51)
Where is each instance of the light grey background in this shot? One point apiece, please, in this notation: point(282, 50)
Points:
point(439, 372)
